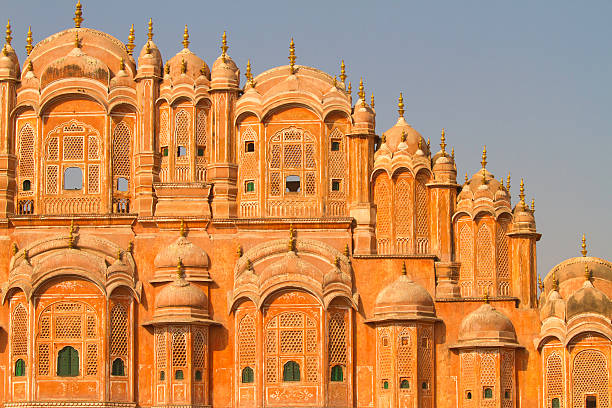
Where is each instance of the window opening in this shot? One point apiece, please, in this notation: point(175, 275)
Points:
point(27, 185)
point(468, 395)
point(291, 371)
point(165, 151)
point(335, 185)
point(337, 374)
point(404, 384)
point(507, 394)
point(19, 368)
point(247, 375)
point(68, 362)
point(73, 178)
point(249, 147)
point(200, 151)
point(385, 385)
point(122, 184)
point(488, 393)
point(178, 375)
point(118, 367)
point(292, 184)
point(181, 151)
point(424, 385)
point(249, 186)
point(198, 375)
point(335, 146)
point(591, 402)
point(555, 403)
point(162, 375)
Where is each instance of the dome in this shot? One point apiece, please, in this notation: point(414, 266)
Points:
point(75, 64)
point(589, 299)
point(186, 62)
point(402, 131)
point(183, 250)
point(150, 56)
point(554, 306)
point(9, 63)
point(486, 327)
point(122, 78)
point(225, 72)
point(574, 268)
point(404, 299)
point(182, 294)
point(363, 114)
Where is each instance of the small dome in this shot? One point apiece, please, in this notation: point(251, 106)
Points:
point(523, 219)
point(363, 114)
point(589, 299)
point(75, 64)
point(117, 267)
point(487, 327)
point(554, 306)
point(188, 63)
point(182, 294)
point(444, 168)
point(121, 79)
point(403, 131)
point(225, 72)
point(9, 63)
point(183, 250)
point(150, 56)
point(404, 299)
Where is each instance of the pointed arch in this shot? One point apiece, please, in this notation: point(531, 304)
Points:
point(466, 257)
point(383, 198)
point(485, 266)
point(403, 212)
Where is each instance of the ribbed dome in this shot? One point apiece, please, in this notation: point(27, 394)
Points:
point(150, 55)
point(363, 114)
point(402, 130)
point(486, 326)
point(191, 256)
point(182, 294)
point(225, 72)
point(553, 307)
point(187, 63)
point(76, 64)
point(589, 299)
point(404, 299)
point(9, 63)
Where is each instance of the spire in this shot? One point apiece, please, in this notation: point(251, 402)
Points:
point(224, 46)
point(248, 74)
point(347, 250)
point(466, 178)
point(186, 37)
point(522, 193)
point(77, 42)
point(400, 105)
point(292, 56)
point(540, 284)
point(342, 72)
point(122, 64)
point(372, 100)
point(588, 274)
point(584, 247)
point(78, 15)
point(29, 41)
point(130, 44)
point(484, 157)
point(508, 182)
point(182, 231)
point(428, 144)
point(183, 66)
point(180, 270)
point(533, 205)
point(443, 142)
point(453, 153)
point(350, 89)
point(555, 282)
point(150, 32)
point(8, 32)
point(383, 139)
point(361, 90)
point(404, 269)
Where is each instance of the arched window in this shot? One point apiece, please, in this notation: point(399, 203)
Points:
point(404, 384)
point(118, 367)
point(19, 368)
point(291, 371)
point(336, 373)
point(162, 375)
point(555, 403)
point(198, 375)
point(68, 362)
point(27, 185)
point(73, 178)
point(488, 393)
point(468, 395)
point(247, 375)
point(122, 184)
point(178, 375)
point(385, 385)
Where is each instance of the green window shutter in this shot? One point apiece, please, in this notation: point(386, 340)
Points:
point(74, 362)
point(247, 375)
point(19, 368)
point(336, 373)
point(555, 403)
point(405, 384)
point(118, 367)
point(291, 371)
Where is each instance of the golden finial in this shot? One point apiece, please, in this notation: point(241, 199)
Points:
point(148, 48)
point(71, 234)
point(540, 284)
point(249, 264)
point(383, 138)
point(186, 37)
point(404, 269)
point(420, 144)
point(121, 64)
point(224, 46)
point(501, 184)
point(29, 41)
point(248, 74)
point(130, 44)
point(403, 137)
point(180, 270)
point(30, 66)
point(484, 157)
point(372, 100)
point(361, 92)
point(443, 142)
point(400, 105)
point(522, 193)
point(183, 66)
point(555, 282)
point(182, 230)
point(335, 81)
point(584, 248)
point(347, 250)
point(150, 32)
point(203, 70)
point(78, 15)
point(239, 250)
point(26, 255)
point(77, 42)
point(8, 32)
point(588, 274)
point(292, 56)
point(428, 144)
point(167, 67)
point(130, 247)
point(119, 254)
point(291, 244)
point(508, 182)
point(4, 50)
point(466, 178)
point(453, 153)
point(14, 248)
point(337, 262)
point(342, 71)
point(533, 205)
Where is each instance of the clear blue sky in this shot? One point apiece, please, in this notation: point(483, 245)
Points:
point(531, 80)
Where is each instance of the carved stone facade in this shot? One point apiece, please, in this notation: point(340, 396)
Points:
point(173, 238)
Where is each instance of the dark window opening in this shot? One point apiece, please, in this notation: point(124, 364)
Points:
point(385, 385)
point(118, 367)
point(335, 146)
point(404, 384)
point(165, 151)
point(178, 375)
point(591, 402)
point(73, 178)
point(68, 362)
point(337, 373)
point(335, 185)
point(249, 147)
point(181, 151)
point(249, 186)
point(488, 393)
point(122, 184)
point(424, 342)
point(292, 184)
point(162, 375)
point(200, 151)
point(291, 371)
point(555, 403)
point(27, 185)
point(507, 394)
point(385, 341)
point(468, 395)
point(19, 368)
point(198, 375)
point(424, 385)
point(247, 375)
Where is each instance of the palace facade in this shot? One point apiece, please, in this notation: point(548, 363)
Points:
point(171, 237)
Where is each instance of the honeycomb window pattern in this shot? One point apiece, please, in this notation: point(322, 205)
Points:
point(19, 332)
point(337, 338)
point(119, 331)
point(246, 341)
point(121, 160)
point(590, 376)
point(179, 347)
point(25, 153)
